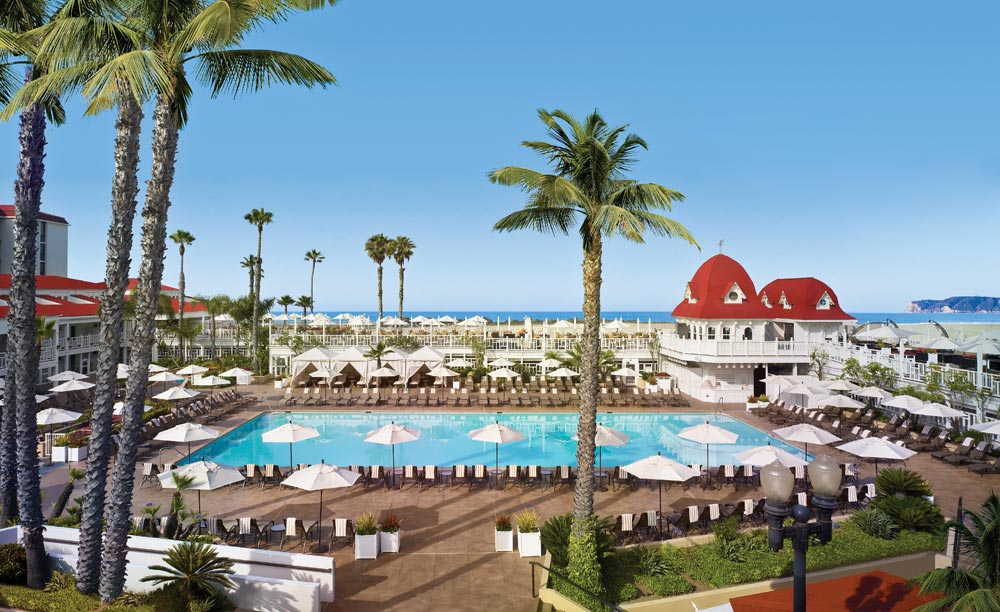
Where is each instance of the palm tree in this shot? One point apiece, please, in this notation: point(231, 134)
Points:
point(250, 263)
point(976, 587)
point(305, 303)
point(573, 359)
point(401, 249)
point(377, 352)
point(315, 257)
point(378, 248)
point(215, 306)
point(195, 569)
point(181, 238)
point(588, 185)
point(285, 301)
point(259, 218)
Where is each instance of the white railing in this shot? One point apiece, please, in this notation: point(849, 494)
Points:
point(457, 341)
point(80, 342)
point(733, 348)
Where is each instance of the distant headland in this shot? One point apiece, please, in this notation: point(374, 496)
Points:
point(961, 303)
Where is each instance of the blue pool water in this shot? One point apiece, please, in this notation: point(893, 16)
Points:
point(444, 439)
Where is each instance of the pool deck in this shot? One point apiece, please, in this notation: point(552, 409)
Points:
point(447, 559)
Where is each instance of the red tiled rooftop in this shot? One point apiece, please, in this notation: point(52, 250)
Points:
point(7, 210)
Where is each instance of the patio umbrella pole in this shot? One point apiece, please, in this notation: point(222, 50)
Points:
point(659, 514)
point(319, 527)
point(290, 464)
point(393, 465)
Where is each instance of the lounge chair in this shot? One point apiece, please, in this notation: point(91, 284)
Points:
point(459, 475)
point(849, 497)
point(409, 475)
point(479, 476)
point(726, 474)
point(343, 531)
point(963, 449)
point(990, 467)
point(934, 444)
point(975, 455)
point(564, 475)
point(532, 476)
point(248, 528)
point(270, 473)
point(624, 530)
point(217, 529)
point(430, 478)
point(376, 476)
point(294, 528)
point(512, 474)
point(149, 472)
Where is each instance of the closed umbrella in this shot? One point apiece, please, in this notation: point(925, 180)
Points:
point(807, 434)
point(72, 385)
point(290, 433)
point(66, 376)
point(321, 477)
point(392, 435)
point(766, 455)
point(187, 432)
point(497, 434)
point(207, 476)
point(708, 434)
point(605, 436)
point(660, 468)
point(877, 448)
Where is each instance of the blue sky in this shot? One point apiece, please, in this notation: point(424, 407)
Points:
point(855, 143)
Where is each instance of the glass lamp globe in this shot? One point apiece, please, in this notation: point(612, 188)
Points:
point(777, 481)
point(825, 476)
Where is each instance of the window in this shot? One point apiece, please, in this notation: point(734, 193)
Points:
point(42, 235)
point(711, 333)
point(726, 333)
point(748, 333)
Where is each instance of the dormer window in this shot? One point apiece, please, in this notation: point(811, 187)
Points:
point(824, 302)
point(689, 296)
point(735, 295)
point(784, 302)
point(765, 301)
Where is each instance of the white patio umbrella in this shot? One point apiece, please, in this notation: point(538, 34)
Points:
point(447, 319)
point(885, 333)
point(837, 401)
point(806, 433)
point(54, 416)
point(213, 381)
point(321, 477)
point(419, 319)
point(615, 325)
point(605, 436)
point(549, 362)
point(873, 392)
point(188, 432)
point(804, 390)
point(501, 363)
point(989, 427)
point(156, 369)
point(625, 372)
point(72, 385)
point(442, 372)
point(934, 409)
point(66, 376)
point(322, 373)
point(939, 343)
point(460, 363)
point(708, 434)
point(497, 434)
point(392, 435)
point(165, 377)
point(563, 373)
point(504, 373)
point(766, 455)
point(344, 316)
point(119, 408)
point(122, 372)
point(904, 402)
point(877, 448)
point(840, 385)
point(660, 468)
point(207, 476)
point(290, 433)
point(174, 394)
point(242, 376)
point(38, 398)
point(191, 370)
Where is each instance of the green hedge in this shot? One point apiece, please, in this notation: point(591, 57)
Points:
point(65, 600)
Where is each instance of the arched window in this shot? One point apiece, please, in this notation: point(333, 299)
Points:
point(748, 333)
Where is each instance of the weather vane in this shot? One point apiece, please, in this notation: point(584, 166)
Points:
point(720, 244)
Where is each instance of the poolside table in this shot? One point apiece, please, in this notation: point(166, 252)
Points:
point(546, 478)
point(445, 475)
point(599, 477)
point(277, 529)
point(496, 479)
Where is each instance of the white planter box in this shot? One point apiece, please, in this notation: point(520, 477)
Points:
point(753, 406)
point(76, 454)
point(366, 546)
point(529, 544)
point(59, 454)
point(389, 542)
point(504, 540)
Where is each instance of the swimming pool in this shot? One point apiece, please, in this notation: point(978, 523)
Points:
point(444, 439)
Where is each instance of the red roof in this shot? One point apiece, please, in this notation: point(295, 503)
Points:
point(7, 210)
point(134, 282)
point(55, 283)
point(802, 300)
point(707, 294)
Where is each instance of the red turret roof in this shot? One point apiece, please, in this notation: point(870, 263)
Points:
point(802, 300)
point(7, 210)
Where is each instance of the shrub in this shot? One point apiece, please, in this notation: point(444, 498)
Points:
point(649, 562)
point(390, 523)
point(60, 581)
point(527, 521)
point(619, 576)
point(193, 568)
point(365, 524)
point(555, 538)
point(585, 567)
point(875, 523)
point(726, 529)
point(13, 564)
point(741, 548)
point(911, 513)
point(666, 585)
point(502, 523)
point(901, 482)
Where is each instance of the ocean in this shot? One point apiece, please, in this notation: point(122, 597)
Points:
point(659, 316)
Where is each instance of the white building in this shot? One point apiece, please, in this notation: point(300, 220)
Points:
point(729, 336)
point(53, 242)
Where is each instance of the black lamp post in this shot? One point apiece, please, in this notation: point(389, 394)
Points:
point(778, 481)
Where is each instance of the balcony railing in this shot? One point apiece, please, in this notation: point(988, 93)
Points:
point(733, 348)
point(80, 342)
point(458, 341)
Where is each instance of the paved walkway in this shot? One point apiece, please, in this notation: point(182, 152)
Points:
point(447, 559)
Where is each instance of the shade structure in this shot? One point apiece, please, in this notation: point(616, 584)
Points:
point(660, 468)
point(626, 372)
point(392, 435)
point(708, 434)
point(940, 343)
point(605, 436)
point(766, 455)
point(191, 370)
point(321, 477)
point(156, 369)
point(212, 381)
point(885, 333)
point(990, 427)
point(501, 363)
point(242, 376)
point(384, 372)
point(322, 373)
point(838, 401)
point(442, 372)
point(54, 416)
point(447, 319)
point(66, 376)
point(877, 448)
point(174, 394)
point(873, 392)
point(72, 385)
point(549, 362)
point(290, 433)
point(460, 363)
point(38, 398)
point(497, 434)
point(563, 373)
point(934, 409)
point(165, 376)
point(207, 476)
point(504, 373)
point(841, 385)
point(981, 345)
point(807, 434)
point(188, 432)
point(904, 402)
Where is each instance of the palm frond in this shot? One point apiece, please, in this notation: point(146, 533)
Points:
point(615, 220)
point(141, 73)
point(541, 219)
point(980, 600)
point(9, 83)
point(45, 87)
point(643, 196)
point(242, 70)
point(221, 23)
point(68, 41)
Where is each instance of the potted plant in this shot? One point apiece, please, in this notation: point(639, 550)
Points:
point(529, 537)
point(59, 446)
point(752, 402)
point(365, 537)
point(388, 535)
point(76, 449)
point(503, 534)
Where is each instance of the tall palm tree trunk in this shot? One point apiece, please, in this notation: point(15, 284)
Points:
point(312, 277)
point(590, 352)
point(255, 324)
point(253, 269)
point(211, 325)
point(380, 291)
point(124, 193)
point(401, 272)
point(27, 201)
point(8, 445)
point(154, 237)
point(180, 307)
